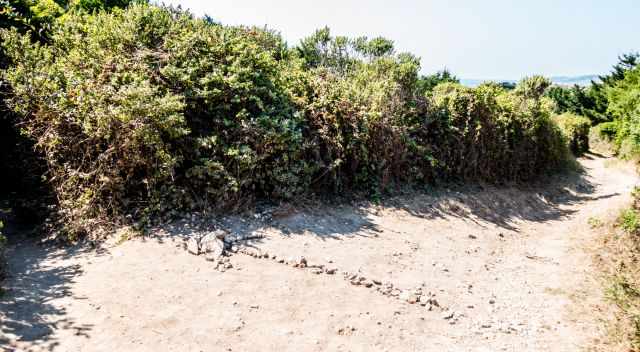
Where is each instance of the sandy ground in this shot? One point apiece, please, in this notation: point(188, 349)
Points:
point(510, 270)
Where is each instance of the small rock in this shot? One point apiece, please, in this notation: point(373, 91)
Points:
point(473, 237)
point(409, 297)
point(211, 246)
point(316, 271)
point(347, 330)
point(330, 271)
point(448, 315)
point(192, 246)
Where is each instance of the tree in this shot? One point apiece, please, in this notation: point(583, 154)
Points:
point(427, 83)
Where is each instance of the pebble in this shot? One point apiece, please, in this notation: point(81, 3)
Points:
point(192, 246)
point(409, 297)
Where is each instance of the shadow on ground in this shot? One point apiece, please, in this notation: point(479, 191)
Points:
point(27, 315)
point(504, 206)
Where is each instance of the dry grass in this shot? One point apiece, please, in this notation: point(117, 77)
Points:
point(620, 264)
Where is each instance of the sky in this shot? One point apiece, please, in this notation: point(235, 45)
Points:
point(475, 39)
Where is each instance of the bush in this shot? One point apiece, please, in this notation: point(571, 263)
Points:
point(149, 110)
point(607, 130)
point(493, 134)
point(576, 131)
point(624, 106)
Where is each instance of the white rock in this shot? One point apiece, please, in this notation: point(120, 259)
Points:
point(409, 297)
point(211, 246)
point(192, 246)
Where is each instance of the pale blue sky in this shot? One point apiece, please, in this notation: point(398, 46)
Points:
point(488, 39)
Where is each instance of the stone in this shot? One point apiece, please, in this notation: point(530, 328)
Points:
point(193, 246)
point(448, 315)
point(211, 246)
point(316, 271)
point(409, 297)
point(330, 271)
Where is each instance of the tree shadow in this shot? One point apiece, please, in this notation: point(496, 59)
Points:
point(28, 313)
point(507, 206)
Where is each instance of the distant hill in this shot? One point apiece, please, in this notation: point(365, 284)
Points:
point(583, 80)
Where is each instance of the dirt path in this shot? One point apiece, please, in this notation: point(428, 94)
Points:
point(509, 269)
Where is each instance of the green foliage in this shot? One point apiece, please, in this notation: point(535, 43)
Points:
point(149, 110)
point(613, 104)
point(607, 130)
point(496, 134)
point(576, 131)
point(624, 287)
point(593, 101)
point(579, 101)
point(426, 84)
point(624, 106)
point(629, 221)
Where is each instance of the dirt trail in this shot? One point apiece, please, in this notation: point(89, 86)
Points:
point(510, 269)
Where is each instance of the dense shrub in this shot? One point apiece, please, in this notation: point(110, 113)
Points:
point(491, 134)
point(624, 106)
point(576, 130)
point(607, 130)
point(148, 110)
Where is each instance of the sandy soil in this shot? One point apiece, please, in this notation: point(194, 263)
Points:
point(510, 270)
